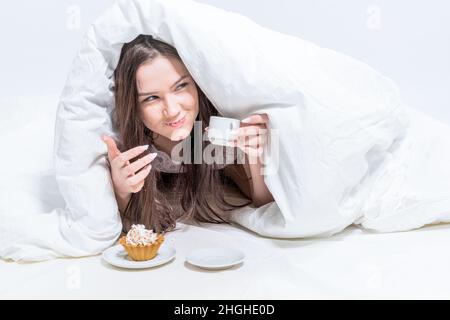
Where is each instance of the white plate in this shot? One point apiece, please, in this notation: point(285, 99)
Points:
point(117, 256)
point(215, 258)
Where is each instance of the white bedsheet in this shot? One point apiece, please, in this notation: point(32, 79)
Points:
point(353, 264)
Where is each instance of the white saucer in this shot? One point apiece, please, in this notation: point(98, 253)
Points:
point(117, 256)
point(215, 258)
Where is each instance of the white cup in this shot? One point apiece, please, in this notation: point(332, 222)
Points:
point(219, 129)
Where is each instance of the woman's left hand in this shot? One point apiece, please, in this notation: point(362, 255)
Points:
point(251, 136)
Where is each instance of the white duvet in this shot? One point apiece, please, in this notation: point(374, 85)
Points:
point(349, 151)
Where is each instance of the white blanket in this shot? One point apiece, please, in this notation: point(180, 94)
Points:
point(348, 151)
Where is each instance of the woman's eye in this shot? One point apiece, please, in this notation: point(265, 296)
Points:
point(182, 85)
point(148, 99)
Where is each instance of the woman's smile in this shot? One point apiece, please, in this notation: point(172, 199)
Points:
point(177, 123)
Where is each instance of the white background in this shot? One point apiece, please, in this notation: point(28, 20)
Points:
point(408, 41)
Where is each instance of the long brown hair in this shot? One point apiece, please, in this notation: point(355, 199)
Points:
point(192, 188)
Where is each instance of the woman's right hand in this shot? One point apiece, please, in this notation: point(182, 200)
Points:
point(126, 179)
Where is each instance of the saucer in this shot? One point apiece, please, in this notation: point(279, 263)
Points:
point(215, 258)
point(117, 256)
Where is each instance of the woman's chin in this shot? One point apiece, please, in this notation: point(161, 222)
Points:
point(177, 138)
point(179, 134)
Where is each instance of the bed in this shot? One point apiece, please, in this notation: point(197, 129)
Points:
point(355, 263)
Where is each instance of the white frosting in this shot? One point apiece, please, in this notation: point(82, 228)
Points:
point(138, 235)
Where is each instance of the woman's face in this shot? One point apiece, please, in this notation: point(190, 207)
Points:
point(168, 98)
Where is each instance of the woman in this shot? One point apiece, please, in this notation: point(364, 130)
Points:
point(157, 103)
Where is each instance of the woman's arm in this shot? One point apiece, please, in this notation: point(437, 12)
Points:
point(122, 201)
point(251, 137)
point(259, 191)
point(253, 188)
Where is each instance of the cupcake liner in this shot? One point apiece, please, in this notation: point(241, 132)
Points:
point(142, 252)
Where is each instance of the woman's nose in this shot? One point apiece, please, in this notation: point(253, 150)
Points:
point(171, 108)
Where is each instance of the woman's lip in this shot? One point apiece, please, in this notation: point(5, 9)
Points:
point(177, 123)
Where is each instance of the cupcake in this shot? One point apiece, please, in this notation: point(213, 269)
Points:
point(141, 244)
